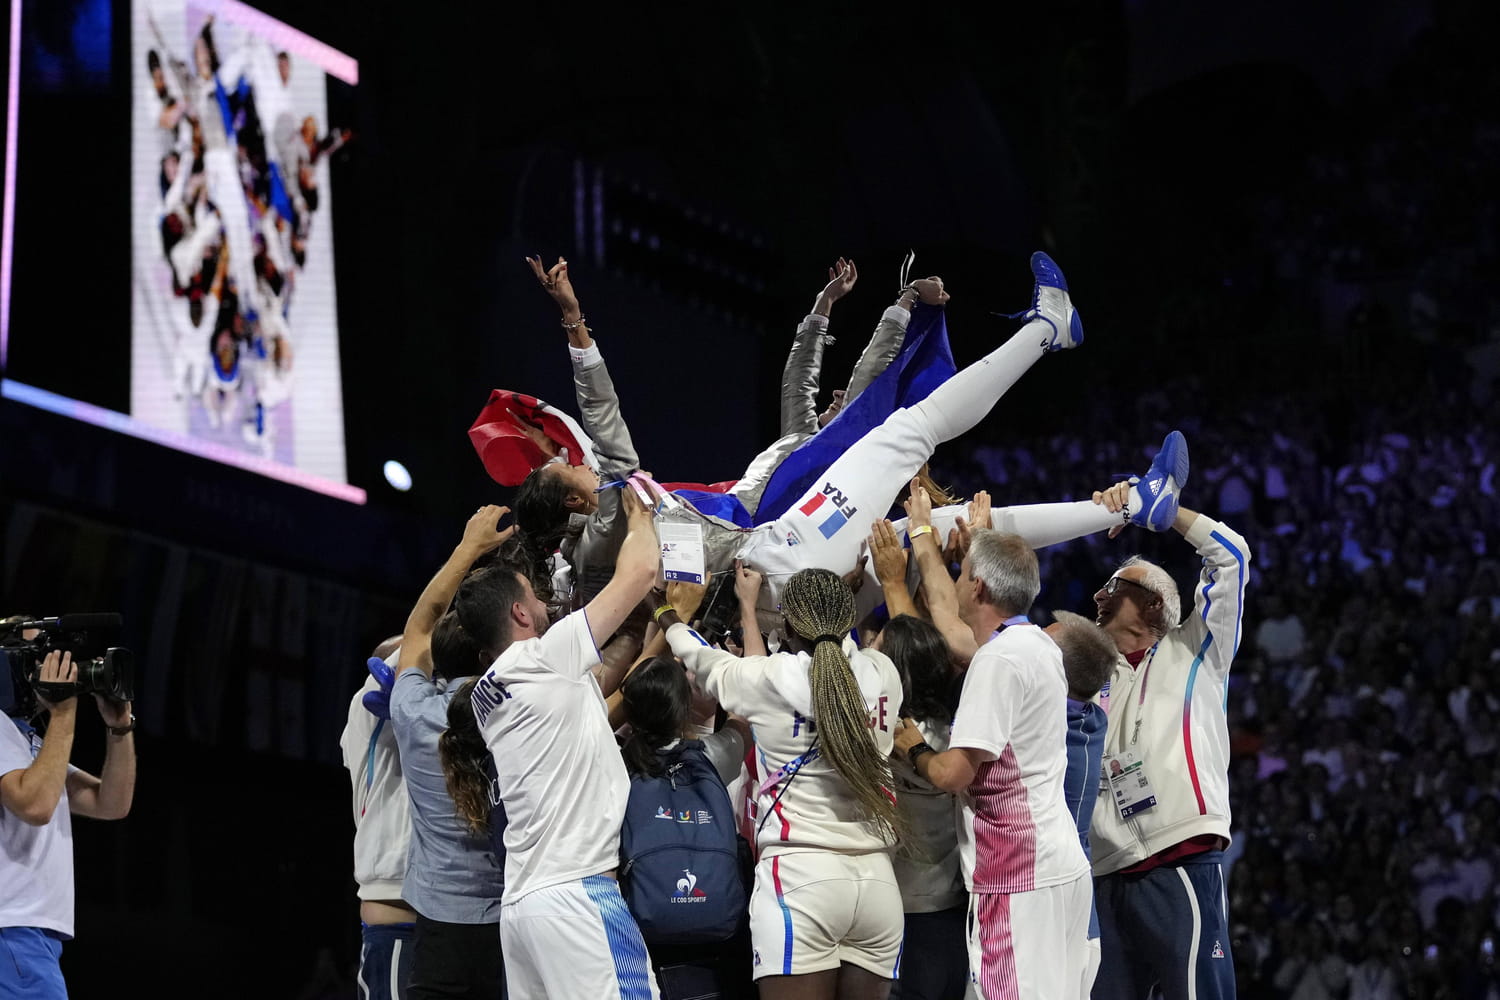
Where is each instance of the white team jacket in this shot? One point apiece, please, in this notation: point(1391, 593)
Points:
point(1169, 711)
point(382, 811)
point(813, 808)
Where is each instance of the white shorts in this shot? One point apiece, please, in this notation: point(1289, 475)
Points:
point(576, 939)
point(815, 910)
point(1030, 944)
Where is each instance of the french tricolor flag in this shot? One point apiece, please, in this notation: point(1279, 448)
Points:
point(831, 524)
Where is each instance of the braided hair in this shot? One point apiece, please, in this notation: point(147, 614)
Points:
point(819, 607)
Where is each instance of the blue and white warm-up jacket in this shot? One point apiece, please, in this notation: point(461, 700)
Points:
point(1170, 712)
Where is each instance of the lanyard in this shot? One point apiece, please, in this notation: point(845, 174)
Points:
point(1141, 700)
point(1013, 620)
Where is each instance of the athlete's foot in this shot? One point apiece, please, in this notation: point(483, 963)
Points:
point(1051, 303)
point(1154, 497)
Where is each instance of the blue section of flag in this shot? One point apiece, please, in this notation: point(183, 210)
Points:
point(831, 527)
point(925, 362)
point(721, 505)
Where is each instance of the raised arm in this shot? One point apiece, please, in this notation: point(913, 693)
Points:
point(800, 378)
point(1219, 597)
point(890, 333)
point(747, 584)
point(890, 569)
point(636, 568)
point(481, 534)
point(937, 585)
point(598, 404)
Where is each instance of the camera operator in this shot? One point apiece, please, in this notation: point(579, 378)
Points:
point(38, 791)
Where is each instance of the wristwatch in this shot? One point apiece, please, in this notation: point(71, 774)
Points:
point(124, 730)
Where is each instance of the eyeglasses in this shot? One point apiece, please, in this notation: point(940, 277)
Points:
point(1113, 586)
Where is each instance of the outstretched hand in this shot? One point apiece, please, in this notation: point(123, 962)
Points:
point(841, 279)
point(930, 291)
point(483, 532)
point(747, 583)
point(1114, 499)
point(686, 598)
point(918, 505)
point(890, 557)
point(555, 282)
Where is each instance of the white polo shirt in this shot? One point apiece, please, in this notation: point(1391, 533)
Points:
point(1017, 833)
point(561, 777)
point(36, 862)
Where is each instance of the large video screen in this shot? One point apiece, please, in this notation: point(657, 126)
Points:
point(234, 121)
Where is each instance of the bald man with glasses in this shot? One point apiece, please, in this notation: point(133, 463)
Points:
point(1162, 820)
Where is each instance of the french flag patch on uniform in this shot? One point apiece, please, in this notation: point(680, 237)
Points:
point(832, 506)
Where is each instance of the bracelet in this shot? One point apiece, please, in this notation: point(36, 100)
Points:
point(909, 290)
point(124, 730)
point(570, 327)
point(916, 752)
point(919, 531)
point(656, 615)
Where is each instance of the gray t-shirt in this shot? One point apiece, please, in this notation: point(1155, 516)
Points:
point(451, 874)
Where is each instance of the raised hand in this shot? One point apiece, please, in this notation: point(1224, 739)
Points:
point(855, 578)
point(686, 598)
point(889, 556)
point(979, 511)
point(841, 279)
point(483, 532)
point(1114, 499)
point(958, 542)
point(747, 583)
point(930, 291)
point(918, 506)
point(555, 282)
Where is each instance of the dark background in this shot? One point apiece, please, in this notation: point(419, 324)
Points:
point(700, 168)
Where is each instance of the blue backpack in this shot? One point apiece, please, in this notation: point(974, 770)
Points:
point(681, 872)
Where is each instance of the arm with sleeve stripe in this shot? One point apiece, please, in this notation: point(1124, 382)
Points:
point(720, 673)
point(1214, 627)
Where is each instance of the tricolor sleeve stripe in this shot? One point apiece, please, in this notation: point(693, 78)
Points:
point(1187, 723)
point(1239, 559)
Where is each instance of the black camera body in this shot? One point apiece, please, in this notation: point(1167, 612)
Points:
point(102, 669)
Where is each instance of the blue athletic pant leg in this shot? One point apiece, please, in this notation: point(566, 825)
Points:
point(29, 964)
point(1161, 927)
point(385, 961)
point(1122, 974)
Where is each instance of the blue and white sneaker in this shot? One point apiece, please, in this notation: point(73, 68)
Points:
point(1050, 302)
point(1159, 489)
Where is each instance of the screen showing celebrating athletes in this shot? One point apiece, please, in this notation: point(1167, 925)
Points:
point(234, 122)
